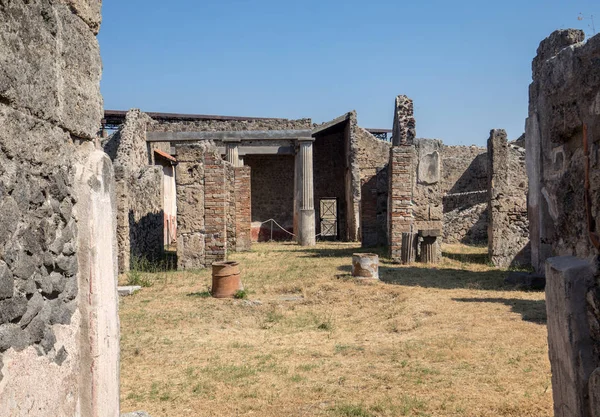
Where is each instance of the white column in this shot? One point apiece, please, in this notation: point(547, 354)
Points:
point(306, 191)
point(233, 154)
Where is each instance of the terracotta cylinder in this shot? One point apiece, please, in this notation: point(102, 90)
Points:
point(226, 279)
point(365, 265)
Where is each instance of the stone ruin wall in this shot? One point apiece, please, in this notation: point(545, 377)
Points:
point(372, 157)
point(140, 214)
point(464, 188)
point(59, 333)
point(274, 193)
point(427, 185)
point(563, 98)
point(213, 206)
point(508, 225)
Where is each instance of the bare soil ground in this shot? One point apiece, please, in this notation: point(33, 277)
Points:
point(311, 341)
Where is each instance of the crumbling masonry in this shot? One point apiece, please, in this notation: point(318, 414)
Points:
point(59, 330)
point(563, 143)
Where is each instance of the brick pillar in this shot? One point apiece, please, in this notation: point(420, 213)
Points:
point(400, 210)
point(216, 206)
point(243, 218)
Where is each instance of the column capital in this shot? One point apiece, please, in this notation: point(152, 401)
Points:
point(306, 139)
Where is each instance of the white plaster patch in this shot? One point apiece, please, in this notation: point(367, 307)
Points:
point(552, 206)
point(33, 385)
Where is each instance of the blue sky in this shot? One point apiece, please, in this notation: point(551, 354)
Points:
point(466, 64)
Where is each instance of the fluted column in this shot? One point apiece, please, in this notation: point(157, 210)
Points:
point(233, 154)
point(306, 191)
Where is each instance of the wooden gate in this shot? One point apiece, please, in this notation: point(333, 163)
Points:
point(329, 223)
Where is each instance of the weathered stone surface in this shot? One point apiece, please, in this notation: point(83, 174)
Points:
point(569, 339)
point(508, 227)
point(127, 290)
point(58, 71)
point(6, 281)
point(88, 10)
point(140, 214)
point(404, 130)
point(56, 359)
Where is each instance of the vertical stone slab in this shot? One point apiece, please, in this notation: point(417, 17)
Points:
point(243, 209)
point(98, 299)
point(508, 227)
point(568, 280)
point(400, 198)
point(59, 337)
point(404, 130)
point(190, 206)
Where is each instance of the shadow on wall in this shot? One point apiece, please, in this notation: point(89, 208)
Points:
point(530, 310)
point(477, 234)
point(146, 241)
point(474, 178)
point(523, 258)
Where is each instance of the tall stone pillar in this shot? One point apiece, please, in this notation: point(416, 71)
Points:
point(305, 192)
point(233, 154)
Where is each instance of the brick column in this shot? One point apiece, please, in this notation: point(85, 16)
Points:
point(400, 209)
point(216, 206)
point(243, 218)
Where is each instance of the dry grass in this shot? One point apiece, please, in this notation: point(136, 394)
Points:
point(310, 341)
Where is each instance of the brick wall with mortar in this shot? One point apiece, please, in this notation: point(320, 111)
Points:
point(216, 206)
point(400, 210)
point(140, 215)
point(508, 226)
point(243, 209)
point(272, 183)
point(563, 98)
point(58, 350)
point(464, 187)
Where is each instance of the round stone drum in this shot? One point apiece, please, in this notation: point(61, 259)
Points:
point(226, 279)
point(365, 265)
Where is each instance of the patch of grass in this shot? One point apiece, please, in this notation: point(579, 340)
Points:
point(240, 294)
point(444, 341)
point(135, 277)
point(350, 410)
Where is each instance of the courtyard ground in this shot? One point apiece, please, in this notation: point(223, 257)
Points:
point(310, 341)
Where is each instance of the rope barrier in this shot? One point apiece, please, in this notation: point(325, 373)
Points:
point(281, 227)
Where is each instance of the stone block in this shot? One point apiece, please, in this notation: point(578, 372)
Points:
point(128, 290)
point(569, 341)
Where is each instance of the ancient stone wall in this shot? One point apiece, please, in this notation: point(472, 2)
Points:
point(216, 125)
point(140, 214)
point(564, 109)
point(464, 188)
point(213, 206)
point(373, 158)
point(59, 335)
point(508, 226)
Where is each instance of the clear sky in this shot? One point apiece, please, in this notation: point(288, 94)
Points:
point(465, 63)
